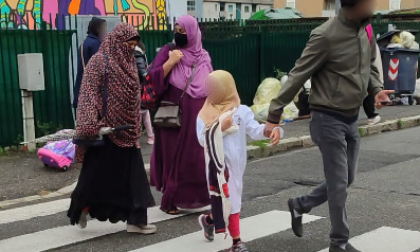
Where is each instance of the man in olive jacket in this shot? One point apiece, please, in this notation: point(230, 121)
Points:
point(340, 59)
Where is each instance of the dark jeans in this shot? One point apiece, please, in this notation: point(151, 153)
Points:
point(339, 145)
point(369, 106)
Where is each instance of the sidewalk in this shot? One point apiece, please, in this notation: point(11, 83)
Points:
point(24, 175)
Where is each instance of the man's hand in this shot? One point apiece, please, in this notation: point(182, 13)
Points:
point(269, 129)
point(382, 98)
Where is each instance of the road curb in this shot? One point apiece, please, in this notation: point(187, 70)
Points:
point(266, 150)
point(255, 152)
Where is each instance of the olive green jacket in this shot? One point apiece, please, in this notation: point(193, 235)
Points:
point(341, 61)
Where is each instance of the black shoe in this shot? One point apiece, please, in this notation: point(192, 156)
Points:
point(349, 248)
point(297, 226)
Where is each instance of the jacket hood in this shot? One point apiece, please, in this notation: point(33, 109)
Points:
point(138, 49)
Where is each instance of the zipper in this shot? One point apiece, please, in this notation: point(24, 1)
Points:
point(360, 56)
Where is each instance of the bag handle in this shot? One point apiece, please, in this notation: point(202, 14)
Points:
point(188, 83)
point(105, 88)
point(82, 56)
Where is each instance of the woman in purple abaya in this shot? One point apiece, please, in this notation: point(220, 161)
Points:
point(177, 162)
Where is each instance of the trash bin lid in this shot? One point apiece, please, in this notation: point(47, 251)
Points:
point(396, 49)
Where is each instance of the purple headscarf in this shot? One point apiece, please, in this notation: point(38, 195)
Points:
point(193, 53)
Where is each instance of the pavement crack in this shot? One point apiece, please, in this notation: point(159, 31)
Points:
point(306, 182)
point(386, 191)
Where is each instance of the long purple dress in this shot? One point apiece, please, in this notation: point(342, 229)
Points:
point(177, 166)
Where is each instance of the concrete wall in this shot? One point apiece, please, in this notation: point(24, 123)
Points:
point(211, 10)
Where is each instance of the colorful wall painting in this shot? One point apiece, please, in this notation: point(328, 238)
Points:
point(29, 14)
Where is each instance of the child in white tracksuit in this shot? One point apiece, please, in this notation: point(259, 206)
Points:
point(222, 115)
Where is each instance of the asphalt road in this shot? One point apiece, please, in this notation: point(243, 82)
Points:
point(383, 209)
point(23, 175)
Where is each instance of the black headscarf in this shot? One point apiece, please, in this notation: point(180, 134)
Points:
point(94, 26)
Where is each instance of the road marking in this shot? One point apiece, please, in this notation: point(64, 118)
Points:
point(251, 228)
point(386, 239)
point(32, 211)
point(68, 235)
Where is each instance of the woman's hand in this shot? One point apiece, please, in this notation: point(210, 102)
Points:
point(175, 56)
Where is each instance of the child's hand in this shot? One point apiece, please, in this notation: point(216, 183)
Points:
point(275, 136)
point(227, 123)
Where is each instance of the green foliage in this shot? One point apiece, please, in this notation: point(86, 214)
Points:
point(43, 129)
point(400, 124)
point(279, 73)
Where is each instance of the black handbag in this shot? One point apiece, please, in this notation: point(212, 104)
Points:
point(99, 140)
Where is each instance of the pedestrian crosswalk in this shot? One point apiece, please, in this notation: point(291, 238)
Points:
point(387, 239)
point(253, 228)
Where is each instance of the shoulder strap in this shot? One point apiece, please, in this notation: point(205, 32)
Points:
point(369, 32)
point(82, 55)
point(105, 88)
point(188, 83)
point(171, 46)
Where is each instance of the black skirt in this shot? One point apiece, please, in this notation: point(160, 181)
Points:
point(113, 184)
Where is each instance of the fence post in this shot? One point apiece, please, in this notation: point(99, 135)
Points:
point(260, 55)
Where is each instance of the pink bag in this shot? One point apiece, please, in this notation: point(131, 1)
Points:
point(59, 154)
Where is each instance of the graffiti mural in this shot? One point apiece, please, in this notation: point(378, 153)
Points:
point(29, 14)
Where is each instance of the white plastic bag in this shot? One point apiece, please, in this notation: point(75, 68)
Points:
point(261, 112)
point(290, 112)
point(407, 39)
point(417, 91)
point(267, 91)
point(415, 46)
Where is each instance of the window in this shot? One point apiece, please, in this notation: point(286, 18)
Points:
point(230, 8)
point(190, 5)
point(246, 9)
point(216, 7)
point(329, 5)
point(291, 4)
point(394, 5)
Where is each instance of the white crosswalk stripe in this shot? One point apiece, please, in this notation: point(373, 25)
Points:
point(66, 235)
point(39, 210)
point(384, 239)
point(251, 228)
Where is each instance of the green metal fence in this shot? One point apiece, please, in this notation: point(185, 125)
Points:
point(52, 107)
point(250, 50)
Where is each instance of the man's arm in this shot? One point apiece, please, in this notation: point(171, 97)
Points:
point(376, 83)
point(313, 58)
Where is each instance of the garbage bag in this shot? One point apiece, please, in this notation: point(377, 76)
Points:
point(417, 91)
point(267, 91)
point(415, 46)
point(407, 39)
point(396, 40)
point(290, 112)
point(394, 45)
point(261, 112)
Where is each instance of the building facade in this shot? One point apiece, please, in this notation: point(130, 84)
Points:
point(326, 8)
point(233, 9)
